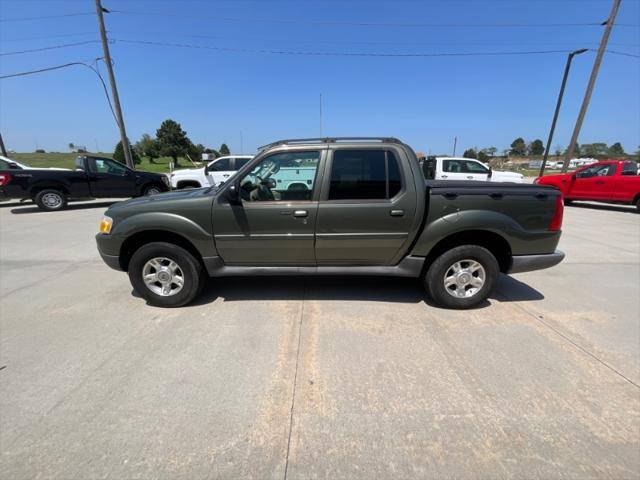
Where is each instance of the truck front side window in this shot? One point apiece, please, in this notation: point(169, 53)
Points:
point(281, 177)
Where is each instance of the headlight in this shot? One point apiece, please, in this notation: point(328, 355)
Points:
point(105, 224)
point(165, 179)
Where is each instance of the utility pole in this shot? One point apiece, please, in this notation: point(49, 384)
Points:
point(455, 144)
point(4, 150)
point(592, 81)
point(555, 115)
point(114, 90)
point(241, 143)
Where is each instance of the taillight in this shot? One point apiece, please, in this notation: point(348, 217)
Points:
point(5, 178)
point(556, 221)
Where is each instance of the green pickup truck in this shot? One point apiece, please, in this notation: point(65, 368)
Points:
point(366, 210)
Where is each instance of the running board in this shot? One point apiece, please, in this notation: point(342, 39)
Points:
point(408, 267)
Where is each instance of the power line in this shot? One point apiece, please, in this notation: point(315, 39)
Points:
point(66, 65)
point(54, 47)
point(366, 24)
point(47, 17)
point(336, 54)
point(620, 53)
point(46, 37)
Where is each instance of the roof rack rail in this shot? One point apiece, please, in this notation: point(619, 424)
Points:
point(302, 141)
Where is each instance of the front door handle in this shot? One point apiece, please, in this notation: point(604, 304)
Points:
point(445, 176)
point(397, 213)
point(599, 182)
point(300, 213)
point(470, 177)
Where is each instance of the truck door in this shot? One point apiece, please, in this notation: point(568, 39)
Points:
point(594, 182)
point(366, 208)
point(271, 226)
point(625, 189)
point(108, 178)
point(219, 171)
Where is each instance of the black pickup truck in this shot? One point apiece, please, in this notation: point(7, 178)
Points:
point(367, 210)
point(93, 177)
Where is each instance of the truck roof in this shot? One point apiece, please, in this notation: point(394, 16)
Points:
point(332, 140)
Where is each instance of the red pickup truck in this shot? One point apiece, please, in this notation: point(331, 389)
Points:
point(610, 181)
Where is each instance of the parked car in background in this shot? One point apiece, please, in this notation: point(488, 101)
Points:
point(454, 168)
point(368, 210)
point(93, 177)
point(610, 181)
point(215, 173)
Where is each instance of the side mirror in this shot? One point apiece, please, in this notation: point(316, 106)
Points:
point(490, 173)
point(233, 194)
point(14, 166)
point(269, 183)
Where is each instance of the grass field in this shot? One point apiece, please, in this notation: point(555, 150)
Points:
point(66, 160)
point(160, 165)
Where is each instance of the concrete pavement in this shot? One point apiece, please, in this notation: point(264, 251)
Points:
point(317, 377)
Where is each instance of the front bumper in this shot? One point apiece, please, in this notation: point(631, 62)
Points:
point(108, 248)
point(529, 263)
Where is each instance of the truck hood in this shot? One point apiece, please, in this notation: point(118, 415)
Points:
point(156, 202)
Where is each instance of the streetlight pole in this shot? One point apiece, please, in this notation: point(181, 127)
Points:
point(555, 115)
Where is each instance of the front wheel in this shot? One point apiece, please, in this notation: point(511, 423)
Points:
point(462, 277)
point(165, 274)
point(152, 190)
point(50, 200)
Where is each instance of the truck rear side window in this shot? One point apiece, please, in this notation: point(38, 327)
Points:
point(364, 175)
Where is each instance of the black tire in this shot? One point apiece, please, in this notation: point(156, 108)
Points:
point(568, 201)
point(152, 189)
point(434, 279)
point(190, 268)
point(51, 200)
point(638, 205)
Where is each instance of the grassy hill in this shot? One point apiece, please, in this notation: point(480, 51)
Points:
point(66, 160)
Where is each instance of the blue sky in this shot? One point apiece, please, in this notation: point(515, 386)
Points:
point(217, 94)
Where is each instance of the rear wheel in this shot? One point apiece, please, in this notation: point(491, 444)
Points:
point(462, 277)
point(638, 205)
point(50, 200)
point(165, 274)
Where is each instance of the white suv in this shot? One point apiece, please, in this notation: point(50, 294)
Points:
point(216, 172)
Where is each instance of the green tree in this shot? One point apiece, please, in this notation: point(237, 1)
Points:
point(577, 151)
point(71, 146)
point(216, 154)
point(483, 156)
point(118, 154)
point(518, 147)
point(147, 147)
point(595, 149)
point(196, 151)
point(470, 153)
point(536, 147)
point(172, 140)
point(224, 150)
point(491, 151)
point(616, 150)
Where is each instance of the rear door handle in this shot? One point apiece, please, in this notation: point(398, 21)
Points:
point(397, 213)
point(599, 182)
point(445, 176)
point(300, 213)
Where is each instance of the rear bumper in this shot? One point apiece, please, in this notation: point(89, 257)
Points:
point(528, 263)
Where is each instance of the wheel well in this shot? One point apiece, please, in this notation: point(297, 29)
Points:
point(48, 186)
point(189, 183)
point(637, 197)
point(134, 242)
point(493, 242)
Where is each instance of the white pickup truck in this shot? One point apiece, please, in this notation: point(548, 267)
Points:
point(454, 168)
point(216, 172)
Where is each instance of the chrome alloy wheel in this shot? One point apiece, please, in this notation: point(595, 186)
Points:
point(464, 278)
point(52, 200)
point(152, 191)
point(163, 276)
